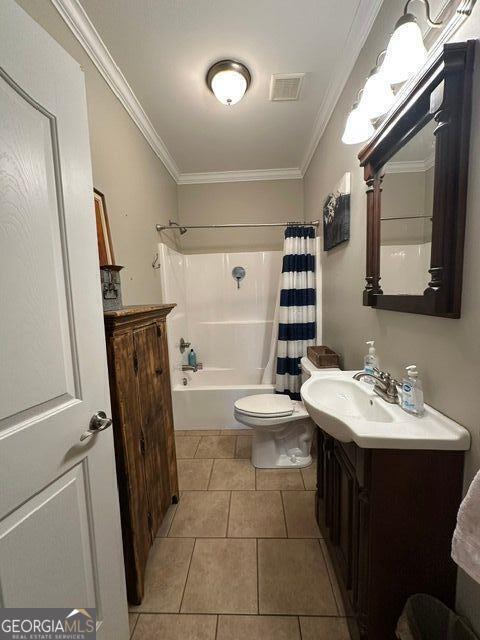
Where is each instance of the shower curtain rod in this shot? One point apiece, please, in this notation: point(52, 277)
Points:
point(183, 227)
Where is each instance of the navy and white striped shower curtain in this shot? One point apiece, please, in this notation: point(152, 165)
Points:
point(297, 328)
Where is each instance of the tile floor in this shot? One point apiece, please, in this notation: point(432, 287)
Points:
point(241, 555)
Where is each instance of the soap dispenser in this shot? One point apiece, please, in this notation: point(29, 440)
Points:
point(370, 362)
point(412, 392)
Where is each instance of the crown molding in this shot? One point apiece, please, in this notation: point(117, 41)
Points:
point(240, 176)
point(359, 30)
point(83, 29)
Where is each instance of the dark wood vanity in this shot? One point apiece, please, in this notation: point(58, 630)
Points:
point(388, 518)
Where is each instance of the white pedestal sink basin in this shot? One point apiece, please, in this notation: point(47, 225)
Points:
point(350, 410)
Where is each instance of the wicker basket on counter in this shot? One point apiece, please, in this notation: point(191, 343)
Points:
point(323, 357)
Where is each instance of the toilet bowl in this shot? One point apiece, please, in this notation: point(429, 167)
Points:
point(282, 428)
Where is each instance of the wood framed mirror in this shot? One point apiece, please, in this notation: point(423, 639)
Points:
point(416, 171)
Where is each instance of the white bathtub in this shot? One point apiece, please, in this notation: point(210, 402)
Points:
point(206, 401)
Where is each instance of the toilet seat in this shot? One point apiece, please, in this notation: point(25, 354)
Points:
point(265, 406)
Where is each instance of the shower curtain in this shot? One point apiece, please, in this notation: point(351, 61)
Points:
point(296, 313)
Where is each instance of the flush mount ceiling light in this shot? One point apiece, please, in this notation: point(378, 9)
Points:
point(358, 127)
point(228, 80)
point(406, 52)
point(377, 96)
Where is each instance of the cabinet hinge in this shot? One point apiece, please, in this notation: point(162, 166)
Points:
point(150, 520)
point(142, 445)
point(159, 331)
point(135, 363)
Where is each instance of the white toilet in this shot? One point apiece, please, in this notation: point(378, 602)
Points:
point(283, 430)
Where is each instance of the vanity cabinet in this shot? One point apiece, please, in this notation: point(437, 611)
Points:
point(388, 518)
point(144, 439)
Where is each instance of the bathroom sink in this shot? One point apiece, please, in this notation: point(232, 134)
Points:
point(349, 410)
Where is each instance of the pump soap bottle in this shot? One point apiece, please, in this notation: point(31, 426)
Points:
point(412, 392)
point(370, 362)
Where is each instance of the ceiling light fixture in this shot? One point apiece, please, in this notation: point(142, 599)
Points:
point(406, 52)
point(228, 80)
point(358, 127)
point(377, 96)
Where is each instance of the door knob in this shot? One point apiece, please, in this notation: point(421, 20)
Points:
point(98, 422)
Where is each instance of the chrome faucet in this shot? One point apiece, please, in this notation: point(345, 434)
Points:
point(189, 367)
point(385, 385)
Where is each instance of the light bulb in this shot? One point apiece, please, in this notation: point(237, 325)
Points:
point(229, 86)
point(406, 52)
point(358, 127)
point(377, 96)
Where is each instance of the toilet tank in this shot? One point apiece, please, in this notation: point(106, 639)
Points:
point(308, 368)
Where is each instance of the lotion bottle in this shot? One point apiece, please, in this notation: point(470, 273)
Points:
point(412, 392)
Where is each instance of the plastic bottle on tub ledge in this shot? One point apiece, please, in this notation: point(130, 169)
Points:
point(192, 358)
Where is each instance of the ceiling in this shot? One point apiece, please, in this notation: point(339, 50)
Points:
point(163, 48)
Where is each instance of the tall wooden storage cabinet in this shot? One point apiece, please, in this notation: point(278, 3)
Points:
point(143, 430)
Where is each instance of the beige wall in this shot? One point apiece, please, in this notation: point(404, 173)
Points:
point(138, 189)
point(224, 203)
point(447, 352)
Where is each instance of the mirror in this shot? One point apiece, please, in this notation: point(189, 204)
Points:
point(416, 175)
point(406, 219)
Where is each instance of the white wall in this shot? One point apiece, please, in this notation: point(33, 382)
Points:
point(139, 191)
point(234, 202)
point(447, 352)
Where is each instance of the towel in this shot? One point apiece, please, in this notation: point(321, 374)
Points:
point(466, 538)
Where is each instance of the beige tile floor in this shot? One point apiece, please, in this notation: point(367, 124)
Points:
point(241, 555)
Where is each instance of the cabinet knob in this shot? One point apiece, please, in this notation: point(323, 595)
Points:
point(159, 371)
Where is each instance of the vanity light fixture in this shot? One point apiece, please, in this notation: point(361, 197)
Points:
point(377, 96)
point(358, 127)
point(406, 52)
point(228, 80)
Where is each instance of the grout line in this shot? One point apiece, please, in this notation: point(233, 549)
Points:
point(173, 518)
point(326, 561)
point(284, 515)
point(258, 578)
point(211, 473)
point(303, 479)
point(135, 625)
point(196, 448)
point(216, 626)
point(244, 615)
point(188, 574)
point(299, 628)
point(228, 516)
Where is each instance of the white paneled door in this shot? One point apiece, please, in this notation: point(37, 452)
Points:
point(60, 539)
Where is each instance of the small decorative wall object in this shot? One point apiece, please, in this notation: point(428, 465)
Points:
point(105, 248)
point(111, 287)
point(239, 274)
point(336, 215)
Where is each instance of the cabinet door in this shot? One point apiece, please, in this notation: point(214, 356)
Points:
point(149, 365)
point(343, 523)
point(130, 463)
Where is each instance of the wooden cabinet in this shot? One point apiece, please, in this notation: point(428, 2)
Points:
point(143, 430)
point(388, 518)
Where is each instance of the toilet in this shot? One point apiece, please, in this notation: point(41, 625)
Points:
point(283, 430)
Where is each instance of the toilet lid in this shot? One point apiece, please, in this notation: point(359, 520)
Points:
point(266, 405)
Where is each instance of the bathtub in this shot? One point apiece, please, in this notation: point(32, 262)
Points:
point(207, 399)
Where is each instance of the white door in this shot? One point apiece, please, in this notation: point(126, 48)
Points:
point(60, 539)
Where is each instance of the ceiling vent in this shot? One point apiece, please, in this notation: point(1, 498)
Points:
point(285, 86)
